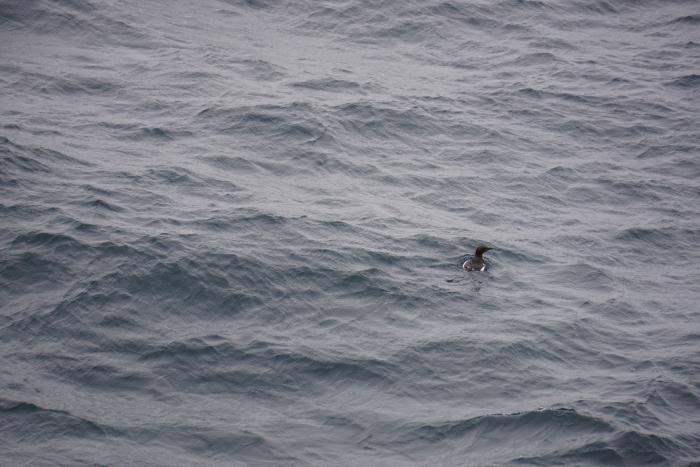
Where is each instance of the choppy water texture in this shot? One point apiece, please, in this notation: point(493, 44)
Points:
point(231, 232)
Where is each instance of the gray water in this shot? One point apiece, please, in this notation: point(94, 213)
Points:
point(231, 233)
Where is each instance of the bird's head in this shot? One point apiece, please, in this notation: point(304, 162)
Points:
point(482, 249)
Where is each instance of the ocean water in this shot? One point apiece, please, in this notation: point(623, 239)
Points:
point(231, 233)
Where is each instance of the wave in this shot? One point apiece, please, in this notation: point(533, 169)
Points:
point(260, 370)
point(82, 19)
point(30, 422)
point(688, 81)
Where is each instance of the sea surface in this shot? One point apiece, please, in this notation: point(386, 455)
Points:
point(231, 233)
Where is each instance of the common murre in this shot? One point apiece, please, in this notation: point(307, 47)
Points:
point(476, 262)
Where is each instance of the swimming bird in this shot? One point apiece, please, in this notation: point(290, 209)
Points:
point(476, 262)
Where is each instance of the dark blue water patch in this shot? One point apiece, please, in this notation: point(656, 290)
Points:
point(293, 123)
point(366, 23)
point(32, 159)
point(117, 274)
point(349, 370)
point(620, 131)
point(99, 205)
point(173, 176)
point(150, 133)
point(27, 422)
point(559, 177)
point(207, 349)
point(16, 160)
point(563, 425)
point(688, 81)
point(666, 397)
point(259, 370)
point(534, 60)
point(51, 217)
point(175, 287)
point(89, 373)
point(253, 4)
point(656, 112)
point(137, 132)
point(72, 85)
point(663, 151)
point(580, 99)
point(326, 162)
point(211, 442)
point(602, 7)
point(373, 287)
point(53, 241)
point(15, 127)
point(73, 19)
point(380, 121)
point(237, 164)
point(142, 197)
point(658, 239)
point(523, 5)
point(596, 453)
point(254, 69)
point(27, 269)
point(689, 20)
point(646, 449)
point(19, 211)
point(409, 31)
point(328, 84)
point(214, 285)
point(626, 448)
